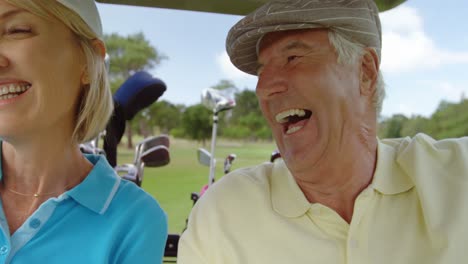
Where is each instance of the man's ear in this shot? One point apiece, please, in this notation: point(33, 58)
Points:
point(369, 72)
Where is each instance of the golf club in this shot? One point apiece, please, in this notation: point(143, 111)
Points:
point(217, 102)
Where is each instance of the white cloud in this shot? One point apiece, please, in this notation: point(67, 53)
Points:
point(405, 109)
point(230, 71)
point(450, 91)
point(406, 47)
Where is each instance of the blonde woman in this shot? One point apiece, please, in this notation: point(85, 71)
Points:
point(57, 205)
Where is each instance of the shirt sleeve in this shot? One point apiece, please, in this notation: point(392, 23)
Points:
point(145, 237)
point(194, 242)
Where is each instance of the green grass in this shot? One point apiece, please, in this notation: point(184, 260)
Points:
point(173, 184)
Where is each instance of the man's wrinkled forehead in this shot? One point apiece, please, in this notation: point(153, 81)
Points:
point(290, 36)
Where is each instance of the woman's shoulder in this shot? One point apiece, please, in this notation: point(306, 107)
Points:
point(141, 224)
point(131, 199)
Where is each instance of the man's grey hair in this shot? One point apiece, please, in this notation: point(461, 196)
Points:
point(349, 52)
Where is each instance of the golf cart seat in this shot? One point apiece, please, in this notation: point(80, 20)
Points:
point(172, 245)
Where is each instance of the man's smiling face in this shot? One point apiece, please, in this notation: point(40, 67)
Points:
point(311, 102)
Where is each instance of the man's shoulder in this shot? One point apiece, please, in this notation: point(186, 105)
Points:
point(241, 189)
point(430, 164)
point(245, 179)
point(424, 146)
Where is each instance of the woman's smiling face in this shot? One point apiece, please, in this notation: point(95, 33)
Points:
point(42, 71)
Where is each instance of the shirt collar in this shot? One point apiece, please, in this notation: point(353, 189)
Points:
point(389, 177)
point(97, 190)
point(286, 197)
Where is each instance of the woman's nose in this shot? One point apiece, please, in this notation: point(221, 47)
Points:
point(4, 62)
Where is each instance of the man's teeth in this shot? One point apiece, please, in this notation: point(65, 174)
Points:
point(293, 129)
point(12, 90)
point(283, 116)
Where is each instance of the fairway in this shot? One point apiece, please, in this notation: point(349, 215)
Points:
point(173, 184)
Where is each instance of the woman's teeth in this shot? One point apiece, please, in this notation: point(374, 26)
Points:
point(9, 91)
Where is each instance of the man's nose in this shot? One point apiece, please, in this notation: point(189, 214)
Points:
point(272, 81)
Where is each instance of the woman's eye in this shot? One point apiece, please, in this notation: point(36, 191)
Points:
point(18, 31)
point(291, 58)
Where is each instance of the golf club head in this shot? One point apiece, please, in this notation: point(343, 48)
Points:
point(148, 143)
point(275, 155)
point(216, 101)
point(87, 148)
point(128, 172)
point(204, 157)
point(156, 156)
point(90, 147)
point(228, 162)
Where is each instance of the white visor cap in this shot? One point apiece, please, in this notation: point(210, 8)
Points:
point(88, 11)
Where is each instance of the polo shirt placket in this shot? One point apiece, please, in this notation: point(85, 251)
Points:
point(95, 193)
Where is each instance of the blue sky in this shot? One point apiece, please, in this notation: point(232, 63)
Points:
point(424, 55)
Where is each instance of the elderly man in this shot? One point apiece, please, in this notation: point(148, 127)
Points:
point(341, 195)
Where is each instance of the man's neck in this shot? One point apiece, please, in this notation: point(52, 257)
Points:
point(340, 183)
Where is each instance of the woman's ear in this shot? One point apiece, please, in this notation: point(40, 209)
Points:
point(85, 77)
point(369, 72)
point(100, 47)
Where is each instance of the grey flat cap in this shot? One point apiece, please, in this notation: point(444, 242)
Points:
point(356, 20)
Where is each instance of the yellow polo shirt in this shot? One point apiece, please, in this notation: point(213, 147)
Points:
point(415, 211)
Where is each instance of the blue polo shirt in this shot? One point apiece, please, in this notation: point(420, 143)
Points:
point(102, 220)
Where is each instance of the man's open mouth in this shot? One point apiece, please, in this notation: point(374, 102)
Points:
point(12, 90)
point(293, 119)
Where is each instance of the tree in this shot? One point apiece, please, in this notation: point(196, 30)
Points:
point(414, 125)
point(196, 122)
point(391, 128)
point(246, 102)
point(449, 120)
point(166, 116)
point(247, 120)
point(129, 54)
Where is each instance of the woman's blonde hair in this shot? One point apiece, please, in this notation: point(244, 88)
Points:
point(349, 52)
point(95, 104)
